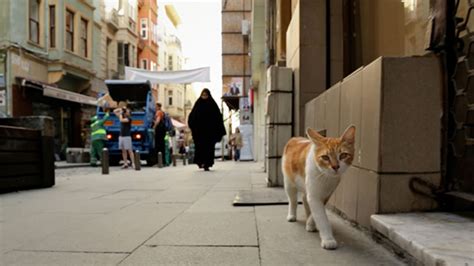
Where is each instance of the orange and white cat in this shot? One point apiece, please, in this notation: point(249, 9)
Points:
point(314, 167)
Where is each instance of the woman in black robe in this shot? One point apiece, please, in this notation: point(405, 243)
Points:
point(207, 127)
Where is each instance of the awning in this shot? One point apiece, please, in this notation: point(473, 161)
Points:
point(61, 94)
point(165, 77)
point(177, 124)
point(232, 102)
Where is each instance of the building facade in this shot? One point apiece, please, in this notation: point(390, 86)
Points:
point(333, 49)
point(148, 38)
point(109, 45)
point(127, 35)
point(170, 58)
point(50, 63)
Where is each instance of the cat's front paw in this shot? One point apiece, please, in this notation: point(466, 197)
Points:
point(311, 227)
point(291, 218)
point(329, 244)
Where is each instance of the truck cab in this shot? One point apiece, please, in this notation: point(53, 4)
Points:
point(139, 100)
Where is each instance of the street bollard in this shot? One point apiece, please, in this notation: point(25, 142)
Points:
point(105, 161)
point(160, 160)
point(184, 158)
point(173, 157)
point(138, 165)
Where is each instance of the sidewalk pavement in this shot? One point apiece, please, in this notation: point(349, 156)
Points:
point(65, 165)
point(174, 215)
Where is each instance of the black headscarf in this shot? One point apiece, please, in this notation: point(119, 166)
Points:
point(205, 120)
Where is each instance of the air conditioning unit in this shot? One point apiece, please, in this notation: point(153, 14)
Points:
point(245, 27)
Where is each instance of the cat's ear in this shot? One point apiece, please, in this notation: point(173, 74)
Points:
point(313, 135)
point(349, 135)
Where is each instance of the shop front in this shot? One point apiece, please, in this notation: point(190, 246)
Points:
point(67, 109)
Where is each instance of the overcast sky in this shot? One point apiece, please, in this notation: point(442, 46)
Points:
point(200, 34)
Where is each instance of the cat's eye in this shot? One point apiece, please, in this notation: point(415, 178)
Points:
point(343, 155)
point(325, 157)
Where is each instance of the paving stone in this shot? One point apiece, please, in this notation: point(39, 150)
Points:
point(218, 202)
point(284, 243)
point(122, 231)
point(185, 255)
point(230, 229)
point(177, 195)
point(22, 258)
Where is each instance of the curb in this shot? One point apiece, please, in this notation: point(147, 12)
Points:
point(75, 165)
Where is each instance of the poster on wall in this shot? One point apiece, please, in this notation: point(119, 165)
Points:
point(245, 111)
point(2, 98)
point(246, 152)
point(233, 87)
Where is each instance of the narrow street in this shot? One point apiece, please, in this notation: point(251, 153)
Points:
point(174, 215)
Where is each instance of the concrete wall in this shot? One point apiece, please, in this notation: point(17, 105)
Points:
point(5, 20)
point(382, 29)
point(258, 76)
point(395, 138)
point(306, 55)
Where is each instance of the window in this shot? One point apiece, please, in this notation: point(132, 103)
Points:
point(120, 57)
point(83, 41)
point(144, 28)
point(34, 20)
point(133, 56)
point(132, 9)
point(126, 54)
point(107, 57)
point(69, 30)
point(52, 26)
point(131, 25)
point(132, 15)
point(170, 97)
point(170, 62)
point(144, 63)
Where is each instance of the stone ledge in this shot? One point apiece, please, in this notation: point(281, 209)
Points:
point(432, 238)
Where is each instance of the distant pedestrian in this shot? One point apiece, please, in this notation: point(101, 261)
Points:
point(236, 143)
point(168, 149)
point(207, 128)
point(160, 130)
point(125, 138)
point(98, 138)
point(181, 142)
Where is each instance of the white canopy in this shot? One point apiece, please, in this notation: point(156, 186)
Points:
point(162, 77)
point(177, 124)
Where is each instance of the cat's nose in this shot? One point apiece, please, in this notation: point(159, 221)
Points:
point(335, 167)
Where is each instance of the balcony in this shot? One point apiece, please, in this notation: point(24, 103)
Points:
point(112, 19)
